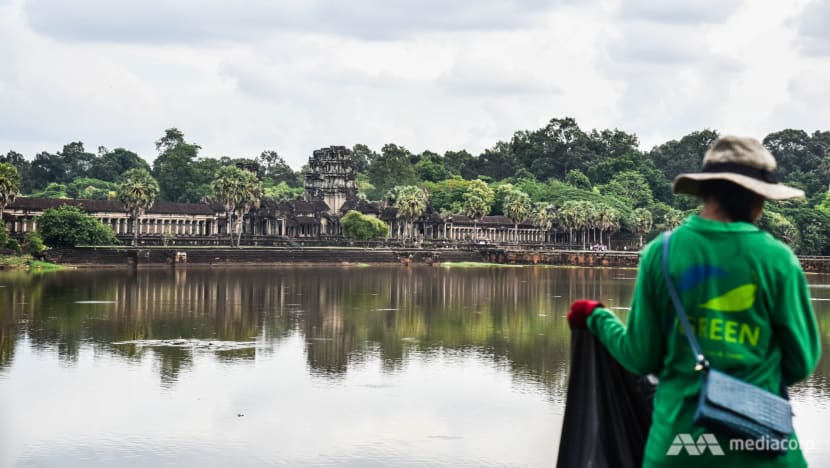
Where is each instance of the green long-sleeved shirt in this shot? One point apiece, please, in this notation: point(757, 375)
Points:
point(749, 305)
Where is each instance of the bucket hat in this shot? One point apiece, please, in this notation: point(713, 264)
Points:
point(743, 161)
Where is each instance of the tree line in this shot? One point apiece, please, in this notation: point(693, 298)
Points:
point(578, 186)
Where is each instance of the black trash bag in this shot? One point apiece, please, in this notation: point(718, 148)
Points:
point(607, 410)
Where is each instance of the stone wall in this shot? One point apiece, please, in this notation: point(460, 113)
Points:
point(115, 257)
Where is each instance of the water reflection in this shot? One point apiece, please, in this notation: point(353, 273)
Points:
point(337, 323)
point(509, 314)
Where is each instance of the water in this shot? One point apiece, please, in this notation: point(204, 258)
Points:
point(380, 366)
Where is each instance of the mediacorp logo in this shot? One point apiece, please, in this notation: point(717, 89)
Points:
point(694, 448)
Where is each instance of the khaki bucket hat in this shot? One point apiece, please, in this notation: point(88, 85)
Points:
point(743, 161)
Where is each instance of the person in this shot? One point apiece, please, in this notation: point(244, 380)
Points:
point(744, 292)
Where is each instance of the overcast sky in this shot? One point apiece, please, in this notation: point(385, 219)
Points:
point(241, 77)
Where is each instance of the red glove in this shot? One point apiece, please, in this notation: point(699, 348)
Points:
point(580, 311)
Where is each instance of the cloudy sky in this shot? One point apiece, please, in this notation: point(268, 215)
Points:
point(290, 75)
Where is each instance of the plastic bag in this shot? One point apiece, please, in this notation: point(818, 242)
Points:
point(607, 410)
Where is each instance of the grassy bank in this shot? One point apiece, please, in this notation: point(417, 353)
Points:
point(26, 262)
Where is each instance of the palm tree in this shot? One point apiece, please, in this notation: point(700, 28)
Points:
point(641, 222)
point(238, 191)
point(9, 186)
point(585, 216)
point(606, 217)
point(570, 218)
point(544, 216)
point(411, 202)
point(517, 206)
point(477, 201)
point(673, 218)
point(138, 192)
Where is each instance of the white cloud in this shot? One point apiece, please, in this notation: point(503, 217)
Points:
point(679, 12)
point(296, 76)
point(211, 20)
point(814, 28)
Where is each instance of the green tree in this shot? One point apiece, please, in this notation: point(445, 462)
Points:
point(782, 228)
point(632, 187)
point(24, 169)
point(238, 191)
point(476, 202)
point(68, 226)
point(33, 244)
point(431, 169)
point(174, 167)
point(685, 155)
point(392, 167)
point(4, 235)
point(138, 192)
point(673, 218)
point(641, 223)
point(362, 156)
point(517, 207)
point(53, 190)
point(358, 226)
point(411, 202)
point(91, 189)
point(577, 179)
point(608, 219)
point(9, 185)
point(545, 217)
point(447, 196)
point(111, 165)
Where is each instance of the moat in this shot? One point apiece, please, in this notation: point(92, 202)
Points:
point(380, 365)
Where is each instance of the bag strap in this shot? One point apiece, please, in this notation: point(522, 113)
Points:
point(700, 360)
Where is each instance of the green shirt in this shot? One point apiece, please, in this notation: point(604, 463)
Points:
point(748, 302)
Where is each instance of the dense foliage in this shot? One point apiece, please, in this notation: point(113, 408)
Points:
point(557, 164)
point(362, 227)
point(68, 226)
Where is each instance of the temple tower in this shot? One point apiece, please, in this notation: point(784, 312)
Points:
point(331, 177)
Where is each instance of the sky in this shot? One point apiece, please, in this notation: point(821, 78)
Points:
point(293, 76)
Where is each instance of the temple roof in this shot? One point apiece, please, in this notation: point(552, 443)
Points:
point(113, 206)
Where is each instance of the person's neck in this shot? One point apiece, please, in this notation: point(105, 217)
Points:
point(714, 212)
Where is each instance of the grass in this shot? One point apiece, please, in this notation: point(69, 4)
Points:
point(480, 265)
point(27, 262)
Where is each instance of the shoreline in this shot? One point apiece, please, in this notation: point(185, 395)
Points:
point(357, 257)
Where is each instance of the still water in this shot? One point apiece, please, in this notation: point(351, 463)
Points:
point(336, 366)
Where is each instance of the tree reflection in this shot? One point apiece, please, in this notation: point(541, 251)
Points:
point(346, 315)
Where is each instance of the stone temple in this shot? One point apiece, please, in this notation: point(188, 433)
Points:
point(330, 192)
point(331, 177)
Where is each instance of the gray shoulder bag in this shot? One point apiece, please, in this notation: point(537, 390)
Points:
point(727, 404)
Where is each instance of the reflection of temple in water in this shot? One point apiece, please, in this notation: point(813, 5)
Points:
point(346, 316)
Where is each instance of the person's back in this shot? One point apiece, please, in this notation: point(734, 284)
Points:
point(746, 298)
point(745, 295)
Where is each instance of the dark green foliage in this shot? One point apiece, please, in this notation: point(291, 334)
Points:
point(110, 165)
point(53, 190)
point(33, 244)
point(174, 169)
point(431, 169)
point(358, 226)
point(686, 155)
point(4, 233)
point(631, 187)
point(91, 189)
point(577, 179)
point(13, 245)
point(24, 169)
point(814, 228)
point(68, 226)
point(446, 196)
point(392, 167)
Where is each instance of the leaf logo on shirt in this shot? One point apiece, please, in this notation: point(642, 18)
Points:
point(736, 300)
